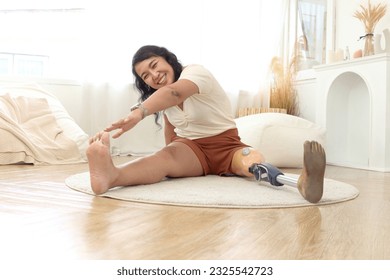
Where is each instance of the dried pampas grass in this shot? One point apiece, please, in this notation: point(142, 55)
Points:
point(282, 91)
point(370, 15)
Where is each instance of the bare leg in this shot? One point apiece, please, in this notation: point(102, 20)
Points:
point(243, 159)
point(174, 160)
point(311, 180)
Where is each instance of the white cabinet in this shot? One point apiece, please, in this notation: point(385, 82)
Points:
point(353, 103)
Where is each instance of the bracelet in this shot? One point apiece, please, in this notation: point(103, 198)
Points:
point(141, 107)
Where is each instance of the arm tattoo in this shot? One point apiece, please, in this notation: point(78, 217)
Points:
point(175, 93)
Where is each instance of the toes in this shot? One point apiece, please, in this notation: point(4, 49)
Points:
point(105, 138)
point(318, 147)
point(101, 136)
point(313, 146)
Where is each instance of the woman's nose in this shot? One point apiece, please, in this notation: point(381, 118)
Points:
point(154, 74)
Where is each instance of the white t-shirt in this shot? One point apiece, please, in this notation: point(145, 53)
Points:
point(205, 114)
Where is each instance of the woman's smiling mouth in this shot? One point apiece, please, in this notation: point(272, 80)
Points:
point(162, 80)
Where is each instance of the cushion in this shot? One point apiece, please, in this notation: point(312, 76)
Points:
point(279, 137)
point(71, 129)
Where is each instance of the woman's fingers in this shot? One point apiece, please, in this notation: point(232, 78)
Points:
point(116, 125)
point(123, 125)
point(118, 134)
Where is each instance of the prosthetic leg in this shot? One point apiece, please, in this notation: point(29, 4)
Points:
point(311, 180)
point(269, 173)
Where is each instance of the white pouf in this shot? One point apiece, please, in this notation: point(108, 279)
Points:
point(279, 137)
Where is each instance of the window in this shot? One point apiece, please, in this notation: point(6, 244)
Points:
point(6, 64)
point(35, 35)
point(311, 31)
point(23, 64)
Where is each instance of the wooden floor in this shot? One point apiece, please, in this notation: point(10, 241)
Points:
point(42, 218)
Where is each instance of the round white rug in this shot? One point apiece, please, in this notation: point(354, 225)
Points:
point(216, 191)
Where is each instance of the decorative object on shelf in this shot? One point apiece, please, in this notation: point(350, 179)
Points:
point(347, 55)
point(377, 44)
point(283, 94)
point(370, 16)
point(335, 56)
point(358, 53)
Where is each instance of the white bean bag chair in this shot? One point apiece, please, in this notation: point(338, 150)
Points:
point(279, 137)
point(36, 128)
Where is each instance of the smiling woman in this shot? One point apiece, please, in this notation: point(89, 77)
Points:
point(200, 133)
point(155, 71)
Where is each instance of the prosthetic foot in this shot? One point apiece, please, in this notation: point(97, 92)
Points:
point(311, 181)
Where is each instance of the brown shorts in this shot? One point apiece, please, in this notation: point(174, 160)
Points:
point(215, 153)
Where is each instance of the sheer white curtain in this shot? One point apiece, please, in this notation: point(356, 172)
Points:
point(273, 20)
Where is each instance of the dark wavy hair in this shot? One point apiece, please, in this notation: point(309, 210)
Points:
point(146, 52)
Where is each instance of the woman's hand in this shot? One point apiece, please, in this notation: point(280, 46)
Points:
point(125, 124)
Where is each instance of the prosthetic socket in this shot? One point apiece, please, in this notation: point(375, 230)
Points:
point(265, 171)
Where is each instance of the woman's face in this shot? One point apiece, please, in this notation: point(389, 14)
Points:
point(155, 71)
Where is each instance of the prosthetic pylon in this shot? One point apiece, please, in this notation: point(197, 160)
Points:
point(269, 173)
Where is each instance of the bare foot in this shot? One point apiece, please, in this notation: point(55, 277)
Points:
point(101, 168)
point(311, 181)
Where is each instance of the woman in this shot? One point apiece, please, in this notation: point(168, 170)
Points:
point(200, 133)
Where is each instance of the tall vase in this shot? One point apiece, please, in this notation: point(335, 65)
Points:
point(368, 44)
point(378, 42)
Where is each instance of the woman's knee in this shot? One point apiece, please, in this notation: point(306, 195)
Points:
point(167, 153)
point(243, 159)
point(180, 160)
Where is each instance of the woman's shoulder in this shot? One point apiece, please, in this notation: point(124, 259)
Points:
point(196, 69)
point(198, 75)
